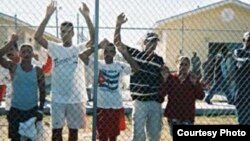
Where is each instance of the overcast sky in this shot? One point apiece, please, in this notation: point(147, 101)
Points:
point(140, 13)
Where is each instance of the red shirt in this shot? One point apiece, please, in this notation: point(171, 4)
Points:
point(47, 66)
point(181, 97)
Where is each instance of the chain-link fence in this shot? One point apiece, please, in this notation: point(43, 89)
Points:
point(163, 62)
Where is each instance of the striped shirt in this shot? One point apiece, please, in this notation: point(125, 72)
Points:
point(145, 84)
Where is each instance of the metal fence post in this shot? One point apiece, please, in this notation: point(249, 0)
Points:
point(95, 69)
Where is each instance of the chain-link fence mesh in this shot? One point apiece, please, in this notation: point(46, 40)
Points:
point(139, 97)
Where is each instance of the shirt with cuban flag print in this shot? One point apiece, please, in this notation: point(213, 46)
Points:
point(109, 81)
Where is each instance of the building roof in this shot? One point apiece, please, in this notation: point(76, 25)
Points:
point(13, 19)
point(23, 23)
point(202, 9)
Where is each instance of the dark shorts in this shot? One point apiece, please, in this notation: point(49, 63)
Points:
point(14, 117)
point(110, 122)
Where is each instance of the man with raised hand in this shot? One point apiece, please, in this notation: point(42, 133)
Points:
point(145, 86)
point(27, 79)
point(110, 111)
point(68, 82)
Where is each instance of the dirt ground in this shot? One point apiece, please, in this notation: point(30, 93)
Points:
point(86, 134)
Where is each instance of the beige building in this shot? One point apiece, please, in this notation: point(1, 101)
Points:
point(203, 30)
point(25, 31)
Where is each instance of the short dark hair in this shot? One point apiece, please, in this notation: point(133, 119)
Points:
point(110, 45)
point(181, 58)
point(67, 24)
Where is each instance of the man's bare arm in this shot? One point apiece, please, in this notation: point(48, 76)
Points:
point(3, 62)
point(121, 19)
point(124, 51)
point(41, 86)
point(85, 55)
point(40, 31)
point(84, 10)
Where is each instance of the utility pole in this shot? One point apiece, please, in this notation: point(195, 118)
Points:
point(77, 27)
point(15, 16)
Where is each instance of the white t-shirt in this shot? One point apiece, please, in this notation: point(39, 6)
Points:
point(68, 75)
point(109, 83)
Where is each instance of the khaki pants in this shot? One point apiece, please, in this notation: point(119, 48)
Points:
point(146, 114)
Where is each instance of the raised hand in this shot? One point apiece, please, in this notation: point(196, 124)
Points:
point(84, 10)
point(13, 38)
point(50, 9)
point(121, 19)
